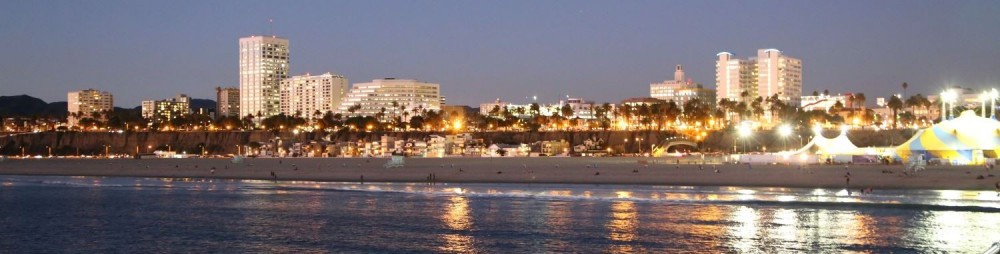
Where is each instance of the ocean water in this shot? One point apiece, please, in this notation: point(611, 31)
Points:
point(153, 215)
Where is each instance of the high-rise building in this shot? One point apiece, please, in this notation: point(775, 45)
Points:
point(308, 94)
point(263, 64)
point(82, 104)
point(767, 74)
point(368, 99)
point(735, 76)
point(778, 74)
point(165, 110)
point(227, 102)
point(680, 90)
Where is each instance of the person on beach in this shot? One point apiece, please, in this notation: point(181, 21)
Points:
point(275, 176)
point(848, 178)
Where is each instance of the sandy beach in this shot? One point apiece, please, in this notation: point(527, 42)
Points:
point(621, 170)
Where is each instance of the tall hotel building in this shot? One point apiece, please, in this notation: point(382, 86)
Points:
point(381, 93)
point(768, 74)
point(307, 94)
point(84, 103)
point(263, 64)
point(227, 102)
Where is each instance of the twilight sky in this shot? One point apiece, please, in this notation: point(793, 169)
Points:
point(482, 50)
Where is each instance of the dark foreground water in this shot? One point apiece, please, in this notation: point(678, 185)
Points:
point(143, 215)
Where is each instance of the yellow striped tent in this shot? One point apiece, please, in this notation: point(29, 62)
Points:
point(966, 139)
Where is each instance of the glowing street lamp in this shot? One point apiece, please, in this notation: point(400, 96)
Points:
point(784, 130)
point(993, 99)
point(744, 132)
point(948, 96)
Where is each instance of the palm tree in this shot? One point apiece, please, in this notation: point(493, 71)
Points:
point(895, 104)
point(859, 99)
point(905, 85)
point(913, 102)
point(757, 106)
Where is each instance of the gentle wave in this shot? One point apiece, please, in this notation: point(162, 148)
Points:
point(828, 199)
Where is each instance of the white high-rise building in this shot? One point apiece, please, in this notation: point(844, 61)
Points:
point(734, 76)
point(307, 94)
point(779, 74)
point(765, 75)
point(82, 104)
point(368, 99)
point(263, 64)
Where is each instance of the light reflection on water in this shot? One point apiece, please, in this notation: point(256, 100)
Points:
point(263, 216)
point(457, 218)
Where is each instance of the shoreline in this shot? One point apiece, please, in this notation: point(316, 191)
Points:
point(550, 170)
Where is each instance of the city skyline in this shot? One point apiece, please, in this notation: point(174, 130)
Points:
point(595, 51)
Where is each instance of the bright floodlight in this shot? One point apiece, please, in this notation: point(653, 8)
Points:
point(784, 130)
point(817, 129)
point(744, 131)
point(993, 93)
point(948, 96)
point(844, 128)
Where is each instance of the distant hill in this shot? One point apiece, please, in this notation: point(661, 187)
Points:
point(208, 105)
point(26, 106)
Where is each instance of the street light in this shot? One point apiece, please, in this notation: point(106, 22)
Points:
point(948, 96)
point(744, 132)
point(784, 130)
point(993, 99)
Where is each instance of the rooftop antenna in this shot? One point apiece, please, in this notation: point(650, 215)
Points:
point(270, 26)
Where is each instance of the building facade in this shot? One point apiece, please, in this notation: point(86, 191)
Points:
point(165, 110)
point(735, 76)
point(769, 73)
point(681, 91)
point(82, 104)
point(307, 94)
point(227, 102)
point(778, 74)
point(369, 99)
point(263, 65)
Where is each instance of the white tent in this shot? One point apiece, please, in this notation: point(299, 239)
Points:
point(839, 145)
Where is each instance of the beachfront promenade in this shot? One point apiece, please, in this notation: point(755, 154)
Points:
point(571, 170)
